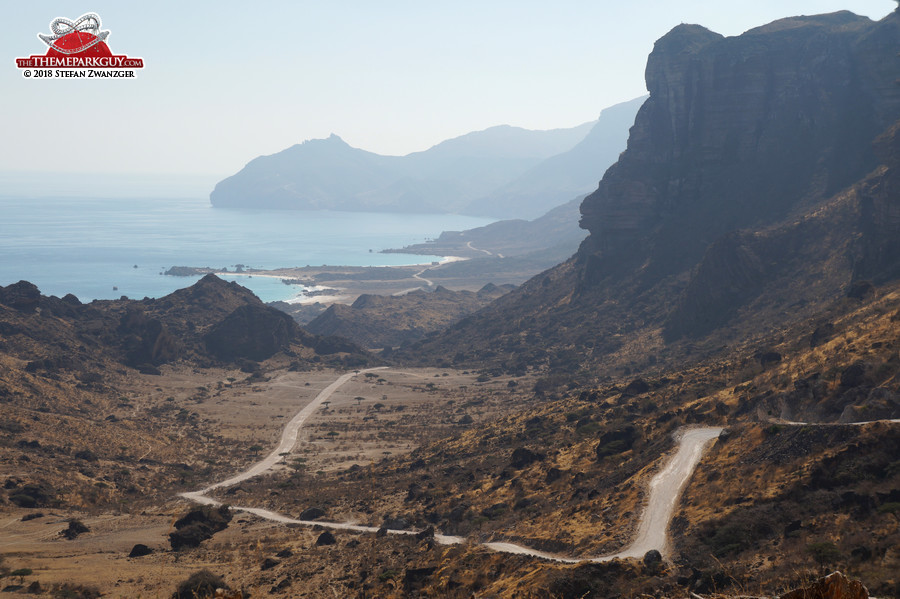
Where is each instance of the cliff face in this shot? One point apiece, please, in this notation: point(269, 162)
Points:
point(751, 194)
point(879, 200)
point(741, 132)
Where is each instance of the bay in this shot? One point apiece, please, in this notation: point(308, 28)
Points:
point(105, 248)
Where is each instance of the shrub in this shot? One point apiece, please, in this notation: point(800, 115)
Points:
point(76, 527)
point(889, 508)
point(75, 591)
point(200, 585)
point(824, 553)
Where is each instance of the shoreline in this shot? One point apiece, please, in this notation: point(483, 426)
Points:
point(344, 294)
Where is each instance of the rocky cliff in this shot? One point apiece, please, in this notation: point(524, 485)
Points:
point(740, 132)
point(752, 193)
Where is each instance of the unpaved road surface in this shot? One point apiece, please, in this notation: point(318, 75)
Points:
point(665, 489)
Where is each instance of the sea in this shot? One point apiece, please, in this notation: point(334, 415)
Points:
point(109, 247)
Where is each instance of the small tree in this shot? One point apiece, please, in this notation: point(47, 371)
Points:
point(21, 573)
point(825, 554)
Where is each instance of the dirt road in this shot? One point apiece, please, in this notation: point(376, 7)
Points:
point(665, 489)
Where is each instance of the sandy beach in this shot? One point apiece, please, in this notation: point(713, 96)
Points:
point(327, 285)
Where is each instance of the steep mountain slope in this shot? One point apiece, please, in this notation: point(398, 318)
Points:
point(513, 237)
point(565, 175)
point(376, 321)
point(329, 174)
point(729, 213)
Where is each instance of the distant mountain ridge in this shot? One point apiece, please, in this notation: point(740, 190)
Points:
point(477, 173)
point(566, 175)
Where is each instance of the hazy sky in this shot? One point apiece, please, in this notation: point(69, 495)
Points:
point(227, 81)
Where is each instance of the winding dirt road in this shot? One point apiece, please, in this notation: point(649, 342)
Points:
point(288, 440)
point(665, 490)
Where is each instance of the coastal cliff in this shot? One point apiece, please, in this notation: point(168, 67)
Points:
point(752, 193)
point(741, 132)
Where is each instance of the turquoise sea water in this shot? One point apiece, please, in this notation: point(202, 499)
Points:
point(88, 246)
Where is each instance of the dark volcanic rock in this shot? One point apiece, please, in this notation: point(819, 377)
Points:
point(730, 274)
point(23, 296)
point(75, 528)
point(636, 387)
point(312, 513)
point(269, 563)
point(326, 538)
point(879, 246)
point(736, 133)
point(395, 523)
point(254, 332)
point(522, 457)
point(854, 375)
point(652, 558)
point(145, 340)
point(198, 525)
point(140, 550)
point(616, 441)
point(416, 577)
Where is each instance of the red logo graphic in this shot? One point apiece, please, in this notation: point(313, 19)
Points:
point(78, 44)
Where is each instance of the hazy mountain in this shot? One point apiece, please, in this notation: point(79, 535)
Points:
point(449, 177)
point(511, 237)
point(564, 175)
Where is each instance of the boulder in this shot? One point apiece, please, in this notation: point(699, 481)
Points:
point(140, 550)
point(522, 457)
point(833, 586)
point(198, 525)
point(312, 513)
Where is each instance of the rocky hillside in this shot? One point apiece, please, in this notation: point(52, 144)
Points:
point(753, 192)
point(377, 321)
point(68, 372)
point(211, 321)
point(567, 474)
point(564, 175)
point(558, 228)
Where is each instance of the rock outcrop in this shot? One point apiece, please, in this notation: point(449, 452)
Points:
point(739, 132)
point(22, 296)
point(198, 525)
point(254, 332)
point(377, 321)
point(752, 190)
point(833, 586)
